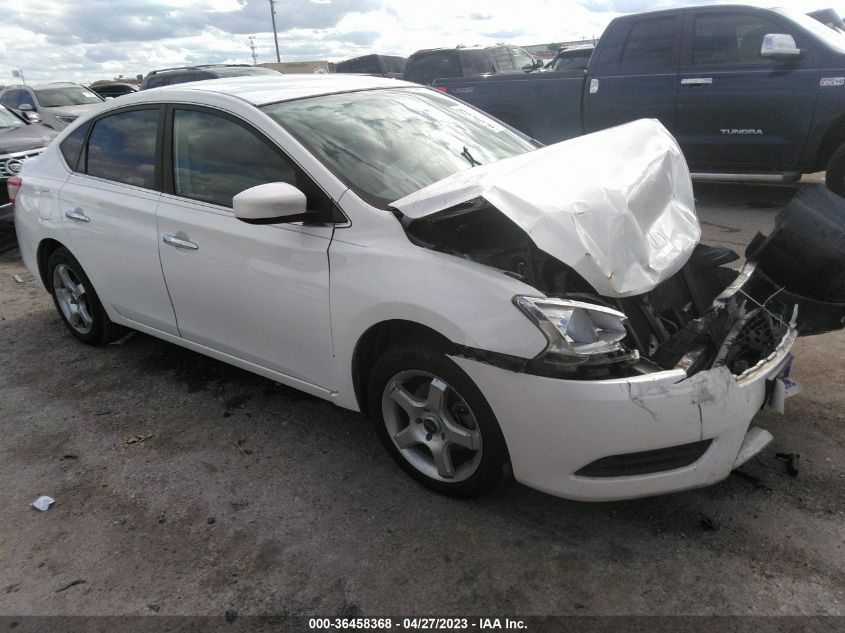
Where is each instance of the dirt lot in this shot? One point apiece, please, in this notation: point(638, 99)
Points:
point(254, 497)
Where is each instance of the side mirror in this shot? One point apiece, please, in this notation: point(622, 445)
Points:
point(31, 117)
point(779, 45)
point(272, 203)
point(26, 107)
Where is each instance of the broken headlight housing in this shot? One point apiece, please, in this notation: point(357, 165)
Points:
point(577, 332)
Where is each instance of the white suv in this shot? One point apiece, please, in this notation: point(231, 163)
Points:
point(394, 251)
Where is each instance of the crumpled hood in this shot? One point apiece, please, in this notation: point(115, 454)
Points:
point(616, 206)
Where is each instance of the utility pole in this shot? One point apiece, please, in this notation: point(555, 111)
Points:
point(252, 48)
point(275, 34)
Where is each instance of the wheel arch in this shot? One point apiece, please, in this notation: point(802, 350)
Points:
point(46, 247)
point(377, 339)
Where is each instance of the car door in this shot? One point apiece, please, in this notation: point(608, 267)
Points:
point(259, 293)
point(108, 206)
point(736, 109)
point(636, 74)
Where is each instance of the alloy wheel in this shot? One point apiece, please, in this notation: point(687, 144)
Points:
point(72, 299)
point(432, 426)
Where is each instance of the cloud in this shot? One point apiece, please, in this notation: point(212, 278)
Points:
point(87, 40)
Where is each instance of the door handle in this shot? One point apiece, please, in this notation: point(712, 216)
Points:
point(697, 81)
point(77, 215)
point(180, 243)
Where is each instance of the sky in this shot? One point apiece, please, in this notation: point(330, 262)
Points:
point(86, 40)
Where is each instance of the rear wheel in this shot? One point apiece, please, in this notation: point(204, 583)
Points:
point(435, 422)
point(77, 302)
point(835, 175)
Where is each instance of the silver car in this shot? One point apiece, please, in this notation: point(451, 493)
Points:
point(54, 105)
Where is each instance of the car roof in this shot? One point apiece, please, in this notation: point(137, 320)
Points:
point(263, 89)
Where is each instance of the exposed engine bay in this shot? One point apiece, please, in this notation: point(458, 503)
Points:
point(708, 314)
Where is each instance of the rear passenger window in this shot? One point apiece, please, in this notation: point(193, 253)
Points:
point(122, 148)
point(650, 43)
point(476, 63)
point(731, 39)
point(71, 147)
point(215, 158)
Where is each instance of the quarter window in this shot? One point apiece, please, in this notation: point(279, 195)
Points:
point(215, 158)
point(650, 44)
point(731, 39)
point(122, 148)
point(72, 146)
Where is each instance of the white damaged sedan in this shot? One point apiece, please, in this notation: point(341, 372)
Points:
point(383, 246)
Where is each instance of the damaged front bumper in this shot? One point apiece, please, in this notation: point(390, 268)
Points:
point(629, 437)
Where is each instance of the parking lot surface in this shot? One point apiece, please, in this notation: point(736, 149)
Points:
point(242, 494)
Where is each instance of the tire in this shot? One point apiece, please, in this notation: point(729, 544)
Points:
point(432, 419)
point(77, 302)
point(835, 175)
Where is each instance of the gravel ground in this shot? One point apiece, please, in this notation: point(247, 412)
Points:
point(251, 496)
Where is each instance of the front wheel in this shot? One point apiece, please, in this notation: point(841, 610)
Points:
point(835, 175)
point(435, 422)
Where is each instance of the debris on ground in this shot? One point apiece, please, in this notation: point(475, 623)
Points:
point(42, 503)
point(243, 450)
point(791, 460)
point(231, 616)
point(72, 583)
point(154, 606)
point(70, 456)
point(210, 520)
point(18, 278)
point(138, 437)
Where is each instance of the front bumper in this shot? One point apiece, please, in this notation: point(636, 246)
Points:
point(554, 428)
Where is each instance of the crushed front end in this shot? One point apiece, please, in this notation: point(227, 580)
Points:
point(664, 402)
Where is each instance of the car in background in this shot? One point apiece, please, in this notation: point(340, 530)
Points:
point(112, 90)
point(387, 248)
point(375, 65)
point(426, 65)
point(56, 104)
point(20, 140)
point(184, 74)
point(571, 58)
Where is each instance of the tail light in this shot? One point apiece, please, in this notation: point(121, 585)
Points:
point(13, 185)
point(443, 89)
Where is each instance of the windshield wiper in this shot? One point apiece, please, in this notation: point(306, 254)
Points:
point(470, 158)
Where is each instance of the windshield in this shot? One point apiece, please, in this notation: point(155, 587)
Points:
point(7, 119)
point(65, 96)
point(834, 39)
point(388, 143)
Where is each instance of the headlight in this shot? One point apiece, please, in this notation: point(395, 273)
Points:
point(576, 331)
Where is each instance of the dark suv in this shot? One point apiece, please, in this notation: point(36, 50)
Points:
point(425, 66)
point(170, 76)
point(376, 65)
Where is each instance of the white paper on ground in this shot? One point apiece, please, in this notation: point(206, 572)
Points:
point(42, 503)
point(617, 206)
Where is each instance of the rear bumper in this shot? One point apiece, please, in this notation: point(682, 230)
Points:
point(554, 428)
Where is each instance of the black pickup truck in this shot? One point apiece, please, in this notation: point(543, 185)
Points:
point(750, 93)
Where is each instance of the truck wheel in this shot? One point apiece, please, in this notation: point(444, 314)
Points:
point(835, 176)
point(435, 422)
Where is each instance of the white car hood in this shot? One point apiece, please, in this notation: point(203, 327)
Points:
point(616, 206)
